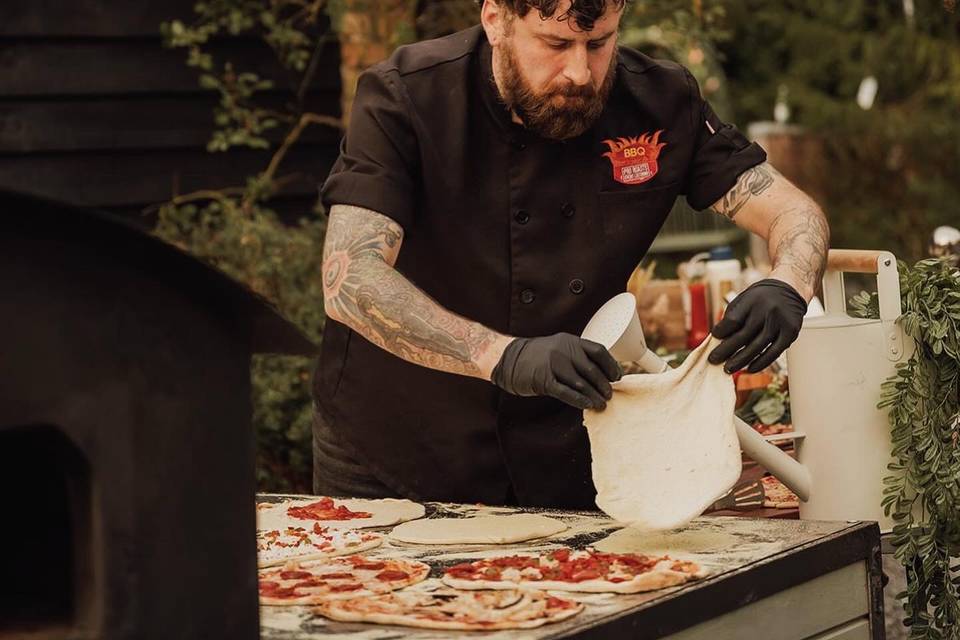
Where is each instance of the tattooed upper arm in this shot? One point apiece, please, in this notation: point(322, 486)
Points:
point(752, 182)
point(795, 228)
point(355, 234)
point(360, 232)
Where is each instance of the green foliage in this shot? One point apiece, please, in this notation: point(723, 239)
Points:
point(865, 304)
point(686, 32)
point(923, 491)
point(282, 263)
point(236, 230)
point(770, 405)
point(892, 172)
point(289, 27)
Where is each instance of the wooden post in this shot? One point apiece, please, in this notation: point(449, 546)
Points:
point(795, 153)
point(369, 31)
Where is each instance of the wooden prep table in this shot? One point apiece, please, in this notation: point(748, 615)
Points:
point(770, 580)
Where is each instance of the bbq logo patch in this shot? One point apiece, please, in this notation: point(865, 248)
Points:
point(634, 160)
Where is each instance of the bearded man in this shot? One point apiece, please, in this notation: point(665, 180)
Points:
point(494, 189)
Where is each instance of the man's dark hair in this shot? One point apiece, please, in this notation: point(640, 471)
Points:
point(583, 12)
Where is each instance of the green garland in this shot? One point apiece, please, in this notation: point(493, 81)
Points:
point(924, 401)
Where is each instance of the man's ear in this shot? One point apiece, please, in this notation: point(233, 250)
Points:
point(492, 19)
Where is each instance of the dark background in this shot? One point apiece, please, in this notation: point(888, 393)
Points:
point(95, 111)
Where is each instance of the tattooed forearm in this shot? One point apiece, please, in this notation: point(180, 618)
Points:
point(752, 182)
point(799, 239)
point(364, 291)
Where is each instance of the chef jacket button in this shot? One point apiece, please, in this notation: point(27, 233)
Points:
point(576, 286)
point(527, 296)
point(567, 210)
point(521, 216)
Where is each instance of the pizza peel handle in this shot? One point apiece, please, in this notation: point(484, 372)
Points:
point(617, 327)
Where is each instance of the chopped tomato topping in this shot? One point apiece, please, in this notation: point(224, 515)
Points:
point(463, 566)
point(324, 509)
point(561, 555)
point(587, 574)
point(518, 562)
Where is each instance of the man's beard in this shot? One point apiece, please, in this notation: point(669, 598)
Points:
point(539, 111)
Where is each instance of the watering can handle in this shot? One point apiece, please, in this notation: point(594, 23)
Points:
point(855, 260)
point(884, 265)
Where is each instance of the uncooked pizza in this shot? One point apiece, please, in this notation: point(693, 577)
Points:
point(276, 546)
point(352, 513)
point(777, 496)
point(316, 581)
point(569, 570)
point(455, 610)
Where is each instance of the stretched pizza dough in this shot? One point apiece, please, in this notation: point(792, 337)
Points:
point(482, 530)
point(666, 447)
point(455, 610)
point(660, 578)
point(384, 512)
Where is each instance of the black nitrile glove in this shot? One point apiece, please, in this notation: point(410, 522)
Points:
point(568, 368)
point(764, 319)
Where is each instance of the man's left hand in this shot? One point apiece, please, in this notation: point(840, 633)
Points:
point(760, 323)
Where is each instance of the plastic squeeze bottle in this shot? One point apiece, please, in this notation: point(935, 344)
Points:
point(723, 277)
point(699, 327)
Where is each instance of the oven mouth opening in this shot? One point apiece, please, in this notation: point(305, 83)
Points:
point(46, 534)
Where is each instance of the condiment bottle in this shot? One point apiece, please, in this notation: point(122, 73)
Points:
point(699, 320)
point(723, 277)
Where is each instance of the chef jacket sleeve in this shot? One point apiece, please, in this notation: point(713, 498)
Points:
point(719, 156)
point(378, 156)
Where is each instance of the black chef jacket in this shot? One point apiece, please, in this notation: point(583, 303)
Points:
point(525, 235)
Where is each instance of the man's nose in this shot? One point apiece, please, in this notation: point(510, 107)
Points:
point(577, 69)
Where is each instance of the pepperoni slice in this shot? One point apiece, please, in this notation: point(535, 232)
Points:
point(392, 575)
point(274, 590)
point(369, 566)
point(295, 575)
point(346, 587)
point(312, 582)
point(559, 603)
point(335, 576)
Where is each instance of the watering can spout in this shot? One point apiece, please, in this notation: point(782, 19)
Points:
point(790, 472)
point(617, 327)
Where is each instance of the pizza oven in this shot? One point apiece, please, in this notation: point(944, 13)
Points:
point(126, 448)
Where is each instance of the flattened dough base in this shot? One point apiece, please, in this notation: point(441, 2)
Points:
point(482, 530)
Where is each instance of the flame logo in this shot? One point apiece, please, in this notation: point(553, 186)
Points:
point(648, 145)
point(634, 160)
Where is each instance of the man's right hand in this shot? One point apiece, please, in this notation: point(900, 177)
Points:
point(563, 366)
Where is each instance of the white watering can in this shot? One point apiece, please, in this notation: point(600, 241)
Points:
point(836, 367)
